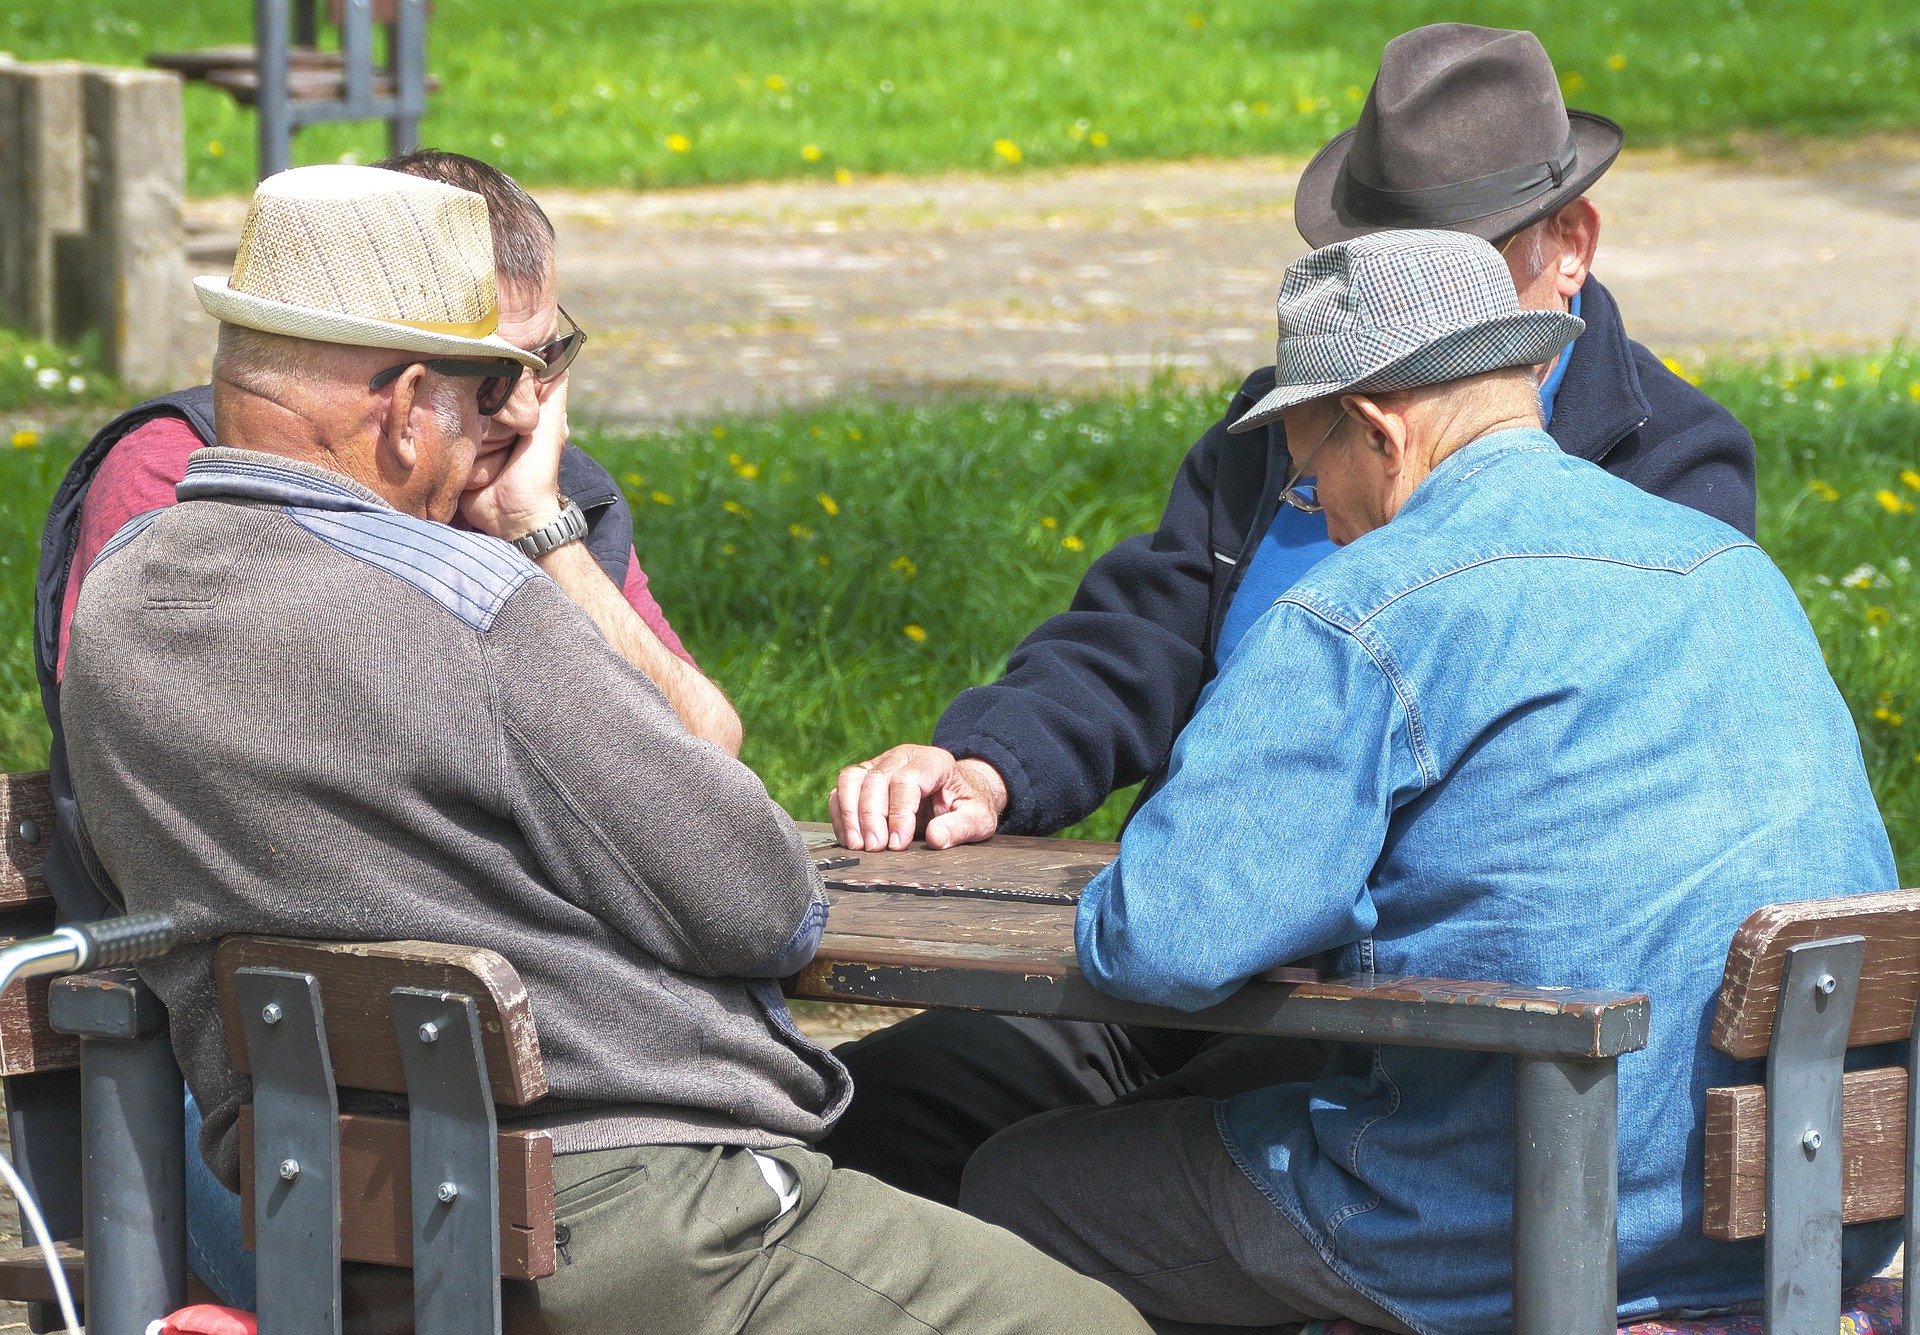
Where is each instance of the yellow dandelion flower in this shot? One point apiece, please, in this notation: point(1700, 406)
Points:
point(853, 434)
point(917, 634)
point(727, 549)
point(634, 480)
point(661, 498)
point(842, 176)
point(1007, 149)
point(734, 508)
point(216, 149)
point(816, 433)
point(678, 143)
point(812, 153)
point(1354, 93)
point(1304, 105)
point(824, 560)
point(720, 433)
point(800, 531)
point(776, 82)
point(827, 503)
point(1616, 62)
point(1878, 616)
point(1888, 501)
point(1572, 82)
point(903, 566)
point(1910, 479)
point(1073, 543)
point(1048, 521)
point(1098, 139)
point(747, 471)
point(1826, 491)
point(1913, 391)
point(25, 439)
point(1196, 20)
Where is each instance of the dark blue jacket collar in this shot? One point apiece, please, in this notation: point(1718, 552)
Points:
point(1601, 400)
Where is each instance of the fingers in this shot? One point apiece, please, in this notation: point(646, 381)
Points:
point(970, 821)
point(843, 807)
point(877, 805)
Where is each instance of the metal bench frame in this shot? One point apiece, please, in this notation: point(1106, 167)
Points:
point(280, 115)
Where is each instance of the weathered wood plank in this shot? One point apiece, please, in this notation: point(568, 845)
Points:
point(1889, 979)
point(26, 809)
point(1004, 866)
point(356, 983)
point(376, 1208)
point(24, 1278)
point(1873, 1153)
point(904, 950)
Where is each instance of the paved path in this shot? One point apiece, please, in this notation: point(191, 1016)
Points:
point(746, 296)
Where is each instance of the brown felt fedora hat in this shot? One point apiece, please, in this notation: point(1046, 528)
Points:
point(1464, 129)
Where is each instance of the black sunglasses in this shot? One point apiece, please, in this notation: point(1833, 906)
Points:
point(559, 354)
point(497, 378)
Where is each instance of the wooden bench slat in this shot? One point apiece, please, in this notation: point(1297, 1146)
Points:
point(1873, 1153)
point(1890, 977)
point(24, 1278)
point(199, 63)
point(25, 798)
point(376, 1209)
point(356, 982)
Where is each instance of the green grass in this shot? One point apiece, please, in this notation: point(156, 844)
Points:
point(844, 572)
point(675, 92)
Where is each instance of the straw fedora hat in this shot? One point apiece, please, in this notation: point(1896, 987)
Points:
point(369, 258)
point(1400, 310)
point(1464, 128)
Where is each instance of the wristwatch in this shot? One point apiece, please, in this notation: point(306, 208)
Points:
point(571, 526)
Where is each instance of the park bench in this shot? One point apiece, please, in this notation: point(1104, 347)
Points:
point(290, 81)
point(988, 927)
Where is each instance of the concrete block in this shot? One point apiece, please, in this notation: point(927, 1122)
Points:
point(42, 188)
point(136, 185)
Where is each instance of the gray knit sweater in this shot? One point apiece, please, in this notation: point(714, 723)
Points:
point(292, 710)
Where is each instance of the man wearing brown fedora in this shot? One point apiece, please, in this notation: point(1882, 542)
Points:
point(440, 738)
point(1465, 130)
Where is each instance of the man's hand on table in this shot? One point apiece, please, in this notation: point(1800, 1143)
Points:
point(886, 801)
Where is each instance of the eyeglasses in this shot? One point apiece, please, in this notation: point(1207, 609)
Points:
point(1304, 496)
point(559, 354)
point(497, 376)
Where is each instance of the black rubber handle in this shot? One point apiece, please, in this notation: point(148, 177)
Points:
point(128, 940)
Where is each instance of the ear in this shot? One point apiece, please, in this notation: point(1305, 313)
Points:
point(399, 445)
point(1576, 234)
point(1385, 427)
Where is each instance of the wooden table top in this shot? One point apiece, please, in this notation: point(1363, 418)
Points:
point(990, 927)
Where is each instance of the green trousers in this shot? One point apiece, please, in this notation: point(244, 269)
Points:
point(688, 1240)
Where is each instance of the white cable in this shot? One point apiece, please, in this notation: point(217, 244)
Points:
point(39, 1226)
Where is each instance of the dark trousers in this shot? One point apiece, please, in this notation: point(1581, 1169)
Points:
point(1097, 1143)
point(932, 1089)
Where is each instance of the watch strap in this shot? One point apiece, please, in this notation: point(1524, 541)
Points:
point(571, 526)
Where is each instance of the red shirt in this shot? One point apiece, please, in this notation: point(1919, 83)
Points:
point(140, 473)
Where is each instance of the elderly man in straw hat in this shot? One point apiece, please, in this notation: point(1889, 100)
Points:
point(1527, 723)
point(1464, 129)
point(436, 741)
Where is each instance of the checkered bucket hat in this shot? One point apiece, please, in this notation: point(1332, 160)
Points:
point(1398, 310)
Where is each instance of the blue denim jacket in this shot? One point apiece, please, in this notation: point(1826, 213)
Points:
point(1542, 728)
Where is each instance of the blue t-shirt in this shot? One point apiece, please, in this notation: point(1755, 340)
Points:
point(1295, 542)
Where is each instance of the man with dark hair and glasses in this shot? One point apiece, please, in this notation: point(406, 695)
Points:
point(520, 477)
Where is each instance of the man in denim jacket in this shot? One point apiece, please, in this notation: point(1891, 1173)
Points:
point(1527, 723)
